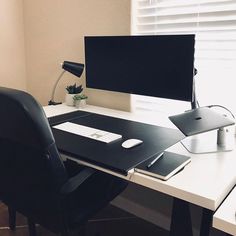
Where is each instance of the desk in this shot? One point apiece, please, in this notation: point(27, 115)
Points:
point(205, 181)
point(225, 219)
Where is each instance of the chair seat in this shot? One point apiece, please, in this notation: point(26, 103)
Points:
point(46, 209)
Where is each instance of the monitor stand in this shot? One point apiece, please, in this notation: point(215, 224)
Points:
point(207, 143)
point(211, 141)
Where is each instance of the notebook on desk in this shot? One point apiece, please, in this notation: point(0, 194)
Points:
point(165, 167)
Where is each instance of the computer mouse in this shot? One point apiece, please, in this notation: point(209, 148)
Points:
point(129, 143)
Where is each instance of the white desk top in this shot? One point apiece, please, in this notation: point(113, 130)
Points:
point(225, 219)
point(204, 182)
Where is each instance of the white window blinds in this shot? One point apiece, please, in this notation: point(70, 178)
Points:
point(214, 23)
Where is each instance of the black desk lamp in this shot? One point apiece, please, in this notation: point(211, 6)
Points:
point(72, 67)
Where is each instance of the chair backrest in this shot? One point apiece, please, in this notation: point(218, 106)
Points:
point(28, 154)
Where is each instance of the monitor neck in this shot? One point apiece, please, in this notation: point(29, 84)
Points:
point(194, 103)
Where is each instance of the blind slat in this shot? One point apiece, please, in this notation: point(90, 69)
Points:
point(190, 20)
point(188, 11)
point(185, 30)
point(165, 4)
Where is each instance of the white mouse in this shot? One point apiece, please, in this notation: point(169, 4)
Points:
point(129, 143)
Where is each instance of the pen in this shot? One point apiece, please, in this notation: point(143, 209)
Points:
point(155, 160)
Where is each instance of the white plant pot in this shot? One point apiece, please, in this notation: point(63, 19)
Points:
point(80, 103)
point(69, 99)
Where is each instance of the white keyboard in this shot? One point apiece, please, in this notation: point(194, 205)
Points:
point(88, 132)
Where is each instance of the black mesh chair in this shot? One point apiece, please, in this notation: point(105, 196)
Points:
point(33, 178)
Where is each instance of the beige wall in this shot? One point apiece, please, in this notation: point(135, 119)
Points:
point(54, 32)
point(12, 52)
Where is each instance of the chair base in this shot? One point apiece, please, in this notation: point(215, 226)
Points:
point(32, 228)
point(12, 218)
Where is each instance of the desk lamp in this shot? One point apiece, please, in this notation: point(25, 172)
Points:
point(72, 67)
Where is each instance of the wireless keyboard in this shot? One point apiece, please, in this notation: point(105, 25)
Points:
point(88, 132)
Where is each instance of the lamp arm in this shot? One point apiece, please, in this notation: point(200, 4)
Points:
point(55, 85)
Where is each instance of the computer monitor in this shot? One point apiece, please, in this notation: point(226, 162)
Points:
point(159, 66)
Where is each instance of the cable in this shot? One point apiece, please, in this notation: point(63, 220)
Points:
point(210, 106)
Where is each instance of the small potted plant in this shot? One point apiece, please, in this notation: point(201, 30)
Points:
point(80, 100)
point(72, 90)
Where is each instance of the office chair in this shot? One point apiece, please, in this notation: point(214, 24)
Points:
point(33, 178)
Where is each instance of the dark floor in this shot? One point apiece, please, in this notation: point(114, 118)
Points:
point(109, 222)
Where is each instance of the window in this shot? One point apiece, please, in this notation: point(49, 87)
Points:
point(214, 23)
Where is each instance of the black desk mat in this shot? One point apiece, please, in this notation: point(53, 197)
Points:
point(67, 117)
point(112, 155)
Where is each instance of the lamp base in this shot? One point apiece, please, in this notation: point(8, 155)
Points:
point(53, 103)
point(206, 143)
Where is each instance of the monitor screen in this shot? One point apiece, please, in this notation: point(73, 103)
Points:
point(158, 66)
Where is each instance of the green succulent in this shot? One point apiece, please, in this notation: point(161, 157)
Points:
point(80, 97)
point(73, 89)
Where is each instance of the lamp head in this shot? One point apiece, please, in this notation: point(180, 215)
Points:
point(73, 67)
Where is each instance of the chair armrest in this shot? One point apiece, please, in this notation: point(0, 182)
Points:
point(73, 183)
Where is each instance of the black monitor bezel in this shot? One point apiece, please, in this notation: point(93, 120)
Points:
point(188, 98)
